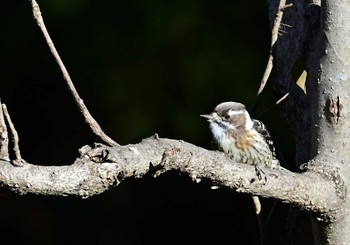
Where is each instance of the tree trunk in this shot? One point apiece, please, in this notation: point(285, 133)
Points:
point(330, 115)
point(319, 36)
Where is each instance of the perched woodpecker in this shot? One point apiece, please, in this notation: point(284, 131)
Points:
point(242, 138)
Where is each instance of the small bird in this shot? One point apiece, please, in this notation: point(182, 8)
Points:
point(242, 138)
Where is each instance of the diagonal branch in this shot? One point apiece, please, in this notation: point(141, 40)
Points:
point(102, 167)
point(80, 103)
point(274, 36)
point(4, 139)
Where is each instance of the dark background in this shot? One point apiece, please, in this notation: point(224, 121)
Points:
point(142, 67)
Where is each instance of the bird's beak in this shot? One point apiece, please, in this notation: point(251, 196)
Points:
point(209, 117)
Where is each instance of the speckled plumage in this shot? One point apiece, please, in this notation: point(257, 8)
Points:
point(243, 139)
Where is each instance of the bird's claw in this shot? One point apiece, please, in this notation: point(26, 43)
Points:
point(261, 174)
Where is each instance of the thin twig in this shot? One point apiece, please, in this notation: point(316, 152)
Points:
point(282, 98)
point(271, 107)
point(14, 138)
point(257, 206)
point(274, 36)
point(4, 139)
point(88, 118)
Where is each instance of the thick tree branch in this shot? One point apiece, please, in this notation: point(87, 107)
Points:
point(102, 167)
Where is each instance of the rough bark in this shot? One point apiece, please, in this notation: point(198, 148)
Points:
point(103, 167)
point(331, 110)
point(319, 37)
point(318, 118)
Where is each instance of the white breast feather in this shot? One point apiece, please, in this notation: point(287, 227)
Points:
point(220, 136)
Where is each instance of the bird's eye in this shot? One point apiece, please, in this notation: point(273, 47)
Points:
point(227, 116)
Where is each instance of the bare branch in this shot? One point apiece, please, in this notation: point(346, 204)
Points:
point(18, 161)
point(274, 36)
point(282, 98)
point(259, 218)
point(80, 103)
point(102, 167)
point(4, 139)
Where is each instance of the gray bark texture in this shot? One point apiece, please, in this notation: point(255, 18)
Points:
point(318, 37)
point(102, 167)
